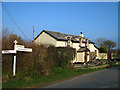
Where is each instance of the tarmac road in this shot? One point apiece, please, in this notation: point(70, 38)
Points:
point(107, 78)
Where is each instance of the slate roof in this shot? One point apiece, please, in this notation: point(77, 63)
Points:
point(61, 36)
point(83, 49)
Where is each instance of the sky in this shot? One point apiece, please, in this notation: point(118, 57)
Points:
point(94, 19)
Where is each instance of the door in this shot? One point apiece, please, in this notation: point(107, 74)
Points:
point(80, 57)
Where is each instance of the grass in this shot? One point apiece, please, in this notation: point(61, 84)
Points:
point(58, 74)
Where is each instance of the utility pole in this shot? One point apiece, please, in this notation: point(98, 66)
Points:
point(33, 33)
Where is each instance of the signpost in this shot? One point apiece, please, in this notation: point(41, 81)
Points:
point(17, 48)
point(8, 51)
point(25, 49)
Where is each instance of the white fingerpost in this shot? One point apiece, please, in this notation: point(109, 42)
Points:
point(14, 65)
point(17, 48)
point(15, 43)
point(14, 61)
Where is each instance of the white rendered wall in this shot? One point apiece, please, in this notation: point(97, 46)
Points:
point(102, 55)
point(76, 45)
point(92, 48)
point(61, 44)
point(83, 56)
point(83, 44)
point(45, 39)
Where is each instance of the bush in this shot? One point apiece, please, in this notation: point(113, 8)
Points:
point(103, 49)
point(40, 62)
point(64, 56)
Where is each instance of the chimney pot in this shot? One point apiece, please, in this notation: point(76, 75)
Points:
point(81, 34)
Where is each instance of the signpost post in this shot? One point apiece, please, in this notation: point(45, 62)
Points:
point(14, 65)
point(20, 48)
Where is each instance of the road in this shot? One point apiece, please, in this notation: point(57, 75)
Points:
point(107, 78)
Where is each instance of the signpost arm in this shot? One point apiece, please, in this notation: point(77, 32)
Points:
point(16, 48)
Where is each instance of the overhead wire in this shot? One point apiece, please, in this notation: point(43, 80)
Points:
point(13, 20)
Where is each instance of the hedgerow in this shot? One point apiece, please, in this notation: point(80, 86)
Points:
point(39, 63)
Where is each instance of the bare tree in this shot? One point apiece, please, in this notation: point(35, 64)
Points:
point(99, 42)
point(8, 39)
point(5, 33)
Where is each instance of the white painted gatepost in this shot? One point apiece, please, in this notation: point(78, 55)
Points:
point(16, 48)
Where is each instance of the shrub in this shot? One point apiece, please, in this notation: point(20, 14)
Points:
point(64, 56)
point(103, 49)
point(40, 62)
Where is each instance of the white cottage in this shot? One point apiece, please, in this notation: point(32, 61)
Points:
point(86, 49)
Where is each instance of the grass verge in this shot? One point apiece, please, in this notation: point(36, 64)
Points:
point(57, 75)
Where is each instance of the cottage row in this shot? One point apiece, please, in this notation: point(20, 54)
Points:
point(85, 48)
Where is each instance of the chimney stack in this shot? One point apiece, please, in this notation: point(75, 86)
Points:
point(87, 43)
point(69, 40)
point(81, 34)
point(33, 33)
point(80, 42)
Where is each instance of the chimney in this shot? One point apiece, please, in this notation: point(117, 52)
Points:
point(80, 42)
point(87, 43)
point(68, 42)
point(33, 33)
point(81, 34)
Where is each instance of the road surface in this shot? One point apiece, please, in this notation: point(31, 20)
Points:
point(107, 78)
